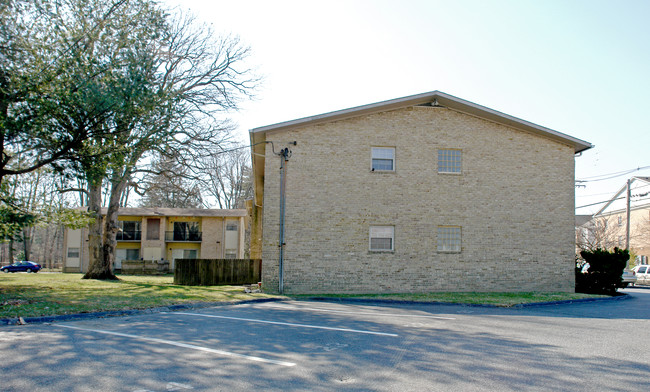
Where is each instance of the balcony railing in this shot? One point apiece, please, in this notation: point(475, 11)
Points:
point(130, 235)
point(183, 236)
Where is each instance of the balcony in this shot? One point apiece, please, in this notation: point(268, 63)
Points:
point(129, 235)
point(183, 236)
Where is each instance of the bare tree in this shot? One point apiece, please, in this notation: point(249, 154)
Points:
point(169, 184)
point(599, 233)
point(39, 193)
point(226, 177)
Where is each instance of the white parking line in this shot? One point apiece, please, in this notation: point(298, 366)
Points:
point(183, 345)
point(290, 307)
point(289, 324)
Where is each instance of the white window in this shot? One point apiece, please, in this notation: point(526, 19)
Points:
point(231, 253)
point(383, 159)
point(382, 238)
point(73, 253)
point(620, 221)
point(449, 239)
point(449, 161)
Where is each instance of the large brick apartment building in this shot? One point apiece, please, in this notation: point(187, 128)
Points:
point(422, 193)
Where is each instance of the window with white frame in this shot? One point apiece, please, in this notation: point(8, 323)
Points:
point(73, 253)
point(231, 254)
point(449, 238)
point(382, 238)
point(383, 159)
point(450, 161)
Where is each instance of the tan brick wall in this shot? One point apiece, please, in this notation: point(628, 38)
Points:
point(514, 201)
point(212, 244)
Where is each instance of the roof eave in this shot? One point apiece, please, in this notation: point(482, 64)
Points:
point(441, 99)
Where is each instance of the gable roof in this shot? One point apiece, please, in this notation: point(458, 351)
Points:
point(433, 98)
point(618, 202)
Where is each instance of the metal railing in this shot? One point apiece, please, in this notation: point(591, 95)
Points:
point(183, 236)
point(130, 235)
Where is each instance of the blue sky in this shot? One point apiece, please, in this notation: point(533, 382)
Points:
point(578, 67)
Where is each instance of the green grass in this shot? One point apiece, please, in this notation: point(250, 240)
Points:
point(30, 295)
point(496, 299)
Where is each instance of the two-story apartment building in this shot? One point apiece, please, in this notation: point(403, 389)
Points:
point(166, 234)
point(416, 194)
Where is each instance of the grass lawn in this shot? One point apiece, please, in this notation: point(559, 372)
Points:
point(495, 299)
point(30, 295)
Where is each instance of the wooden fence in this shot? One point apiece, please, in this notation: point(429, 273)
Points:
point(214, 272)
point(144, 267)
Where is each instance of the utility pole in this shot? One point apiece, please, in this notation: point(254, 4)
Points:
point(284, 161)
point(627, 213)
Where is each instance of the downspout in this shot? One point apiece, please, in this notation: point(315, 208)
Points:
point(627, 216)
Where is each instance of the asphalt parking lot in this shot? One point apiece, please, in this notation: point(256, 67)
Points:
point(320, 346)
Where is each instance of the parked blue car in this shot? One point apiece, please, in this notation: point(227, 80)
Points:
point(24, 266)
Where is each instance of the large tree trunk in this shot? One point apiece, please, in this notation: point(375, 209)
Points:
point(98, 266)
point(111, 228)
point(28, 239)
point(11, 250)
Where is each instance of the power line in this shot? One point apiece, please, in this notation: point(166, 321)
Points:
point(240, 148)
point(600, 202)
point(607, 201)
point(609, 193)
point(612, 175)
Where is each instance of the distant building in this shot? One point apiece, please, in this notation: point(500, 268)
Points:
point(165, 234)
point(608, 228)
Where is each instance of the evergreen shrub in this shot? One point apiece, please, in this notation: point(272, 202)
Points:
point(601, 271)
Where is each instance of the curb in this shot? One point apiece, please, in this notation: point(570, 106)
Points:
point(199, 305)
point(127, 312)
point(517, 306)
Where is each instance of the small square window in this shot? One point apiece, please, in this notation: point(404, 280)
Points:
point(73, 253)
point(449, 239)
point(231, 226)
point(382, 238)
point(383, 159)
point(449, 161)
